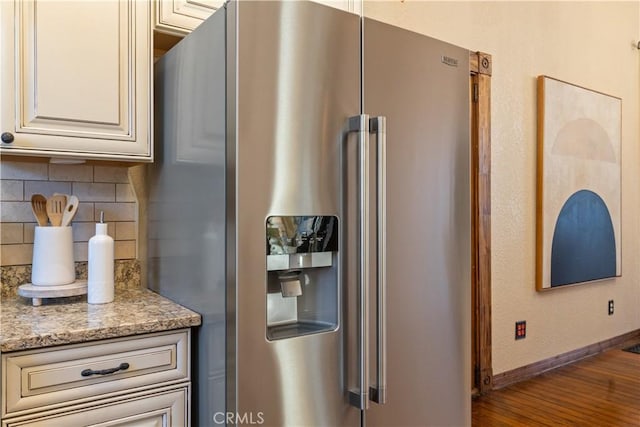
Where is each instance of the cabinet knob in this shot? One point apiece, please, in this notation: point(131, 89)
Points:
point(6, 137)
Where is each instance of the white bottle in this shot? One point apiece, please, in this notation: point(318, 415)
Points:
point(100, 285)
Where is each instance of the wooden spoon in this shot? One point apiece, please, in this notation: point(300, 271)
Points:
point(55, 209)
point(39, 208)
point(70, 210)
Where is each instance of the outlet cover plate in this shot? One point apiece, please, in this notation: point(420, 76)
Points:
point(521, 329)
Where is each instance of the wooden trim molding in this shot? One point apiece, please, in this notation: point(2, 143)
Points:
point(480, 63)
point(480, 67)
point(528, 371)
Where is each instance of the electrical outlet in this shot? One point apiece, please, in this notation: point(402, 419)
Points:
point(521, 329)
point(610, 307)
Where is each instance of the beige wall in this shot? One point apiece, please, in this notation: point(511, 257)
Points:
point(590, 44)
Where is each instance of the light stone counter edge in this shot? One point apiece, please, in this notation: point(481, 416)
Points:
point(133, 312)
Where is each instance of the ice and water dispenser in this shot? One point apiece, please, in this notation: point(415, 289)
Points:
point(302, 275)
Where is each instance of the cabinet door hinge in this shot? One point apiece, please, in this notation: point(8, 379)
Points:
point(475, 92)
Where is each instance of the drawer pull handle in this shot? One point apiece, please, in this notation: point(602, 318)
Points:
point(89, 372)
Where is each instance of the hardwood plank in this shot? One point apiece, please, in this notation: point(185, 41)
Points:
point(602, 390)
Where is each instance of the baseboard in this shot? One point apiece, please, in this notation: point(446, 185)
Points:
point(525, 372)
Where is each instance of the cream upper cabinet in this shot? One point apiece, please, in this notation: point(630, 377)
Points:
point(180, 17)
point(75, 79)
point(354, 6)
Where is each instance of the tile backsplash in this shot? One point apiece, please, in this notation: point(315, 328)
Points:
point(98, 187)
point(126, 276)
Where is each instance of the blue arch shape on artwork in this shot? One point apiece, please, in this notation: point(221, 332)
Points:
point(584, 246)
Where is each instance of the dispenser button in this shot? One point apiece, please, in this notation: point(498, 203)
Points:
point(277, 262)
point(321, 259)
point(300, 261)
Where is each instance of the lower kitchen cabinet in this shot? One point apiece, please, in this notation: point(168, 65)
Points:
point(143, 380)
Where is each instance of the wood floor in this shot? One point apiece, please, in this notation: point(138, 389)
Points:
point(603, 391)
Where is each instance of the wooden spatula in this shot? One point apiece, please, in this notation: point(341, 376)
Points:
point(55, 209)
point(39, 208)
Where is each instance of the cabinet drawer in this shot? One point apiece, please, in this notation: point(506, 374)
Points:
point(46, 378)
point(165, 408)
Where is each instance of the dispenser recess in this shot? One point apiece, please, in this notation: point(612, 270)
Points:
point(302, 275)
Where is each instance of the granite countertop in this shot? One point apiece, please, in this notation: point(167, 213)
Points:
point(133, 312)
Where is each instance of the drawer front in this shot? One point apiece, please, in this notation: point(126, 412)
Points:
point(49, 377)
point(166, 409)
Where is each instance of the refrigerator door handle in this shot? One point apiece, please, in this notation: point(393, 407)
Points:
point(378, 393)
point(360, 397)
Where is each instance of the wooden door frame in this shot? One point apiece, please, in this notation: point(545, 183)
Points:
point(480, 85)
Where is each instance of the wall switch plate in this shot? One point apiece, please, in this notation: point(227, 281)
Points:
point(521, 329)
point(610, 307)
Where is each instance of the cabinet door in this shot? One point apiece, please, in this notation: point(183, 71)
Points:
point(75, 78)
point(168, 408)
point(354, 6)
point(180, 17)
point(48, 378)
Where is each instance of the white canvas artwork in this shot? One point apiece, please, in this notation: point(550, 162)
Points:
point(578, 188)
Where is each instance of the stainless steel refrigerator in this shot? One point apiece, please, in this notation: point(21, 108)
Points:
point(310, 198)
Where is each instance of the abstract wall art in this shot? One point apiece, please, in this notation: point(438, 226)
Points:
point(578, 185)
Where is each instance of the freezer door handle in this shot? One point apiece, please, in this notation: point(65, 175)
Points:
point(360, 397)
point(377, 393)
